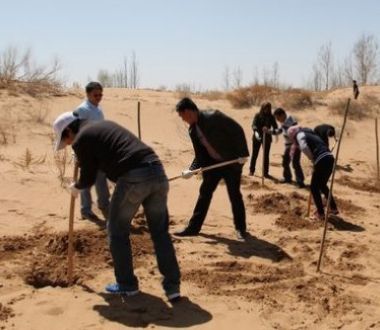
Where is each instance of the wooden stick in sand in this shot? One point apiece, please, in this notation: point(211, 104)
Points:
point(70, 249)
point(331, 187)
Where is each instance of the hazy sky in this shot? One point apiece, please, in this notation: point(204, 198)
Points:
point(186, 41)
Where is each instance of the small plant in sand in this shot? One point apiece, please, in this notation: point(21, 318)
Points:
point(62, 160)
point(5, 136)
point(27, 160)
point(39, 115)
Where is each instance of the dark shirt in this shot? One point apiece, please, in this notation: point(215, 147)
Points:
point(325, 131)
point(260, 120)
point(307, 138)
point(111, 148)
point(223, 133)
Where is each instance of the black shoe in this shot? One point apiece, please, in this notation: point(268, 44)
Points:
point(283, 181)
point(89, 216)
point(251, 173)
point(301, 185)
point(241, 235)
point(268, 176)
point(187, 232)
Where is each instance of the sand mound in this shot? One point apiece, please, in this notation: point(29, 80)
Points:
point(370, 185)
point(45, 255)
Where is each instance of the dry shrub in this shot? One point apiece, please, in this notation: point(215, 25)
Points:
point(7, 135)
point(39, 114)
point(62, 160)
point(249, 96)
point(19, 73)
point(27, 160)
point(366, 106)
point(183, 90)
point(295, 99)
point(212, 95)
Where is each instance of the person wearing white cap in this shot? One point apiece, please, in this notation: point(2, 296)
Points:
point(140, 180)
point(91, 111)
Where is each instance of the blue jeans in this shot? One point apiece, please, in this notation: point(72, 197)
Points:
point(147, 186)
point(102, 192)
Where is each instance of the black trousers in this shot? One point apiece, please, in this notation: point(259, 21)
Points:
point(255, 152)
point(232, 177)
point(319, 179)
point(296, 163)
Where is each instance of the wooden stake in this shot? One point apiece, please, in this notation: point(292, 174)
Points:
point(138, 119)
point(377, 149)
point(70, 249)
point(263, 153)
point(331, 186)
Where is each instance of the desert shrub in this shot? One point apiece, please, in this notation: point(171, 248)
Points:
point(295, 99)
point(366, 106)
point(20, 74)
point(249, 96)
point(28, 159)
point(212, 95)
point(183, 90)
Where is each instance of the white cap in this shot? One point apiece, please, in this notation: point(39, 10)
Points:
point(62, 121)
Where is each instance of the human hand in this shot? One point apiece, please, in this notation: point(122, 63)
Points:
point(265, 129)
point(242, 160)
point(257, 136)
point(187, 174)
point(74, 191)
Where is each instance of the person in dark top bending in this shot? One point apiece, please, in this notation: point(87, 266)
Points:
point(262, 124)
point(325, 132)
point(140, 179)
point(323, 162)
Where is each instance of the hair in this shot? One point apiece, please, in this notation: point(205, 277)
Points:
point(279, 112)
point(264, 106)
point(186, 104)
point(92, 86)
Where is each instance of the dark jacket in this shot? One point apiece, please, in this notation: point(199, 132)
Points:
point(312, 145)
point(111, 148)
point(223, 133)
point(324, 131)
point(260, 120)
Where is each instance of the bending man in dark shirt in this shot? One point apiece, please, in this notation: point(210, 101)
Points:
point(325, 131)
point(140, 179)
point(216, 138)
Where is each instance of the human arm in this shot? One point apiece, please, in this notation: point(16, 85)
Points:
point(301, 140)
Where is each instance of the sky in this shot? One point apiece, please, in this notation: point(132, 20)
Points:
point(186, 42)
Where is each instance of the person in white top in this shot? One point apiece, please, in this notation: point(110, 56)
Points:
point(90, 111)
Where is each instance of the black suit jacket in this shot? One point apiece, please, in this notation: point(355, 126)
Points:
point(224, 134)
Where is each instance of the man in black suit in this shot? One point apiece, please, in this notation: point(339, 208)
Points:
point(216, 138)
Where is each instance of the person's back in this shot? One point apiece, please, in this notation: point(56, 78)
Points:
point(117, 149)
point(324, 131)
point(223, 133)
point(318, 148)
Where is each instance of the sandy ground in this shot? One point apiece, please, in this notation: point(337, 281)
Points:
point(267, 282)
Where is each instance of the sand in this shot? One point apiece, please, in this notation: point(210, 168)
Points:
point(267, 282)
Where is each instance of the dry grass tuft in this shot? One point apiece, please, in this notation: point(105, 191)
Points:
point(212, 95)
point(62, 160)
point(250, 96)
point(295, 99)
point(27, 160)
point(365, 107)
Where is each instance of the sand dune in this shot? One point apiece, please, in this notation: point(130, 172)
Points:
point(267, 282)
